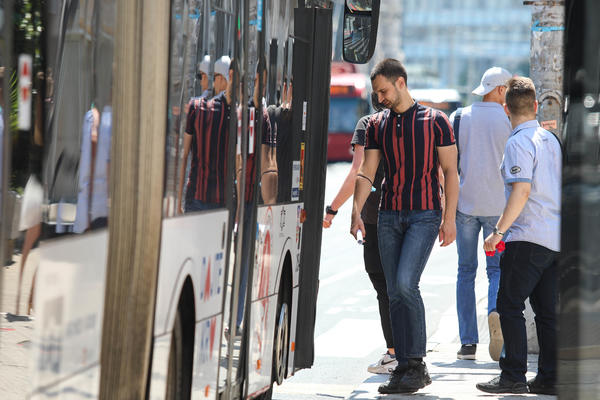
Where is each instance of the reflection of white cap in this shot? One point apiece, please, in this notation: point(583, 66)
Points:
point(493, 77)
point(204, 64)
point(222, 66)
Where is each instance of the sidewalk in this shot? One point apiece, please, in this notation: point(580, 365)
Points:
point(452, 378)
point(16, 332)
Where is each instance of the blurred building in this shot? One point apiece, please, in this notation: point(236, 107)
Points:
point(448, 43)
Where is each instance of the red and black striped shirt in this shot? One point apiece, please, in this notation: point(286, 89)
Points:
point(208, 123)
point(408, 144)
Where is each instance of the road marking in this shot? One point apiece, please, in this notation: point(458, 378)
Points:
point(342, 339)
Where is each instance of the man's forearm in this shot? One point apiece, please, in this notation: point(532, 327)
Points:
point(362, 188)
point(451, 194)
point(516, 201)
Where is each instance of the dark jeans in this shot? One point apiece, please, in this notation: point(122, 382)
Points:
point(192, 205)
point(528, 270)
point(406, 239)
point(375, 271)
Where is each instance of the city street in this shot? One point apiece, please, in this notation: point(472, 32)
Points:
point(348, 334)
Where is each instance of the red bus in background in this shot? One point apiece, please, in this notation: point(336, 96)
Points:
point(348, 103)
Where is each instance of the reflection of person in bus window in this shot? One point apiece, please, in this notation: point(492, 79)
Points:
point(99, 200)
point(281, 127)
point(203, 69)
point(221, 74)
point(89, 139)
point(268, 178)
point(206, 137)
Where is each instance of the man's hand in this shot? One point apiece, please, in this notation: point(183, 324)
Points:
point(357, 225)
point(179, 208)
point(491, 241)
point(447, 232)
point(327, 220)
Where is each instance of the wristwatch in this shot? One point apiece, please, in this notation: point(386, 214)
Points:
point(330, 210)
point(498, 232)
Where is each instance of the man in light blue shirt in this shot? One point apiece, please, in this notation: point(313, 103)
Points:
point(531, 169)
point(481, 131)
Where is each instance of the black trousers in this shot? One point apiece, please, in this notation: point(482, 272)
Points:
point(375, 271)
point(528, 270)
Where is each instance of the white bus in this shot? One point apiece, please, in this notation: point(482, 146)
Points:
point(104, 113)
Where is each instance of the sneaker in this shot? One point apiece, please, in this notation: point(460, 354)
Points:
point(496, 338)
point(467, 352)
point(499, 385)
point(536, 386)
point(386, 364)
point(408, 379)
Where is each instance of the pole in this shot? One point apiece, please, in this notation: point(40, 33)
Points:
point(546, 60)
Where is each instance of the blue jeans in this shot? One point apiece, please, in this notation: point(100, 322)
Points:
point(405, 242)
point(467, 236)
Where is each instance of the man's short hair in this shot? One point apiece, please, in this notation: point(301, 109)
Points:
point(520, 96)
point(391, 69)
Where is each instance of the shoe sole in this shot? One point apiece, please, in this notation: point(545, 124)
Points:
point(496, 338)
point(405, 389)
point(539, 390)
point(466, 357)
point(520, 390)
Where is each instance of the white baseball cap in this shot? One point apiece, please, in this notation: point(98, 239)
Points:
point(204, 64)
point(222, 66)
point(492, 78)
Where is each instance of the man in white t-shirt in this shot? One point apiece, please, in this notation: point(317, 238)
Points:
point(481, 131)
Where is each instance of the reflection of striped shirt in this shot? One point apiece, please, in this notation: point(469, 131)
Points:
point(252, 163)
point(208, 123)
point(408, 144)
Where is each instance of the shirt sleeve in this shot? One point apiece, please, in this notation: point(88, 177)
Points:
point(359, 132)
point(191, 116)
point(444, 135)
point(371, 139)
point(517, 165)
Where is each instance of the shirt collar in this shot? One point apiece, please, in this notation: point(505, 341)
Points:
point(491, 104)
point(532, 124)
point(409, 110)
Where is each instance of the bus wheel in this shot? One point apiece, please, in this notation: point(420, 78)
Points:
point(177, 389)
point(282, 334)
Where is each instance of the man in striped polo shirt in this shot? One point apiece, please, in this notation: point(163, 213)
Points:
point(207, 139)
point(413, 141)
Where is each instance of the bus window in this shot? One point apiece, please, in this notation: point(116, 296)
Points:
point(61, 65)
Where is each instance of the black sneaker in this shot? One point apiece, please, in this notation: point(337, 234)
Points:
point(407, 379)
point(498, 385)
point(467, 352)
point(536, 386)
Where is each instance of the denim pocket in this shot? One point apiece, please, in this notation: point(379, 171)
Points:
point(541, 257)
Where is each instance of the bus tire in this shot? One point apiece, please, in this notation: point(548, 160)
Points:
point(178, 379)
point(282, 331)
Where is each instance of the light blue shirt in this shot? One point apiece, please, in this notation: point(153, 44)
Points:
point(483, 131)
point(534, 155)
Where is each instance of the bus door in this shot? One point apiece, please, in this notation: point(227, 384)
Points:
point(310, 105)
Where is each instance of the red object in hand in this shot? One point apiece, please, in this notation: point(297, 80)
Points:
point(499, 248)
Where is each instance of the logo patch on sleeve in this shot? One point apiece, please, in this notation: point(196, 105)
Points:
point(515, 170)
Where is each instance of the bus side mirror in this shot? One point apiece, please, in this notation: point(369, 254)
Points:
point(360, 30)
